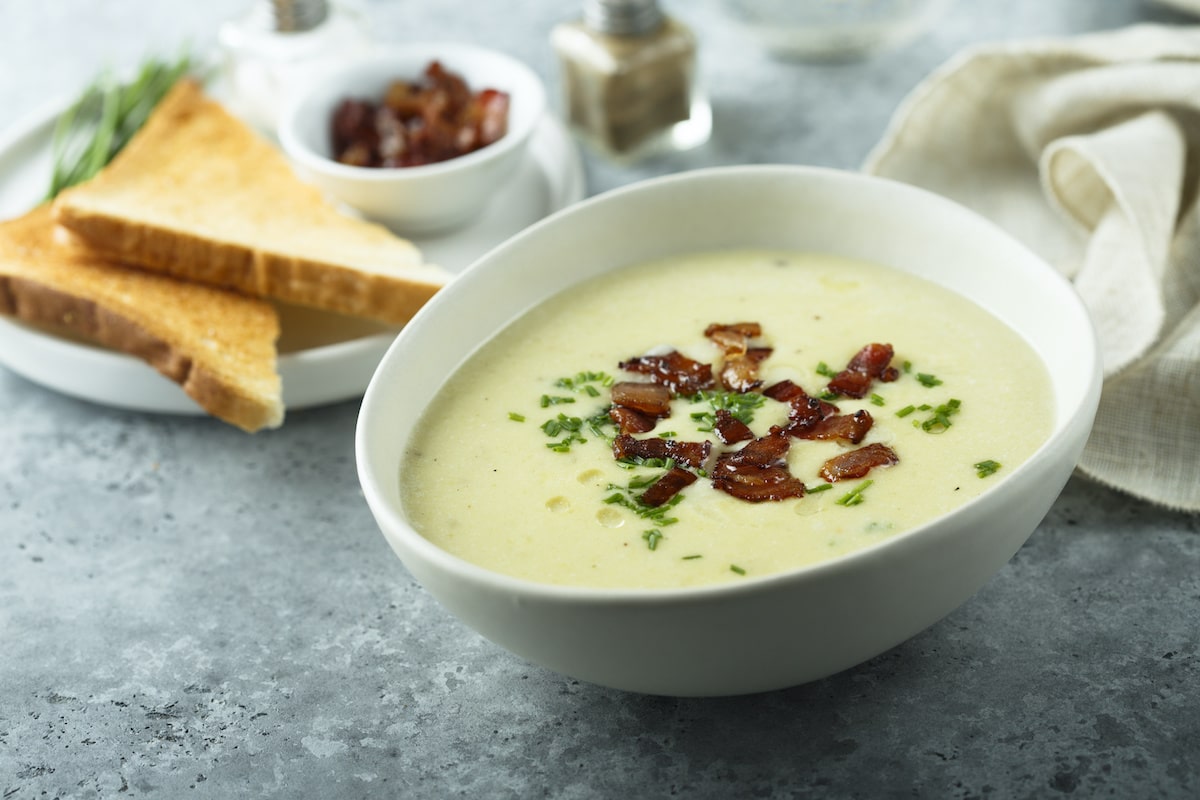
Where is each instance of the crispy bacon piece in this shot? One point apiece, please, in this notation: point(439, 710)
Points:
point(748, 330)
point(784, 391)
point(739, 373)
point(765, 451)
point(693, 454)
point(760, 484)
point(730, 429)
point(857, 463)
point(674, 370)
point(649, 398)
point(868, 364)
point(628, 420)
point(734, 338)
point(672, 483)
point(847, 427)
point(788, 392)
point(758, 472)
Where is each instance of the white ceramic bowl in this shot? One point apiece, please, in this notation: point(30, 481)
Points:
point(424, 199)
point(773, 631)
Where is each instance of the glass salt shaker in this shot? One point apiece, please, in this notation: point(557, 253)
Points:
point(276, 46)
point(629, 79)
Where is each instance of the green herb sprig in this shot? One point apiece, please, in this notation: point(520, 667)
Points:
point(656, 514)
point(104, 118)
point(585, 382)
point(987, 467)
point(741, 405)
point(939, 420)
point(855, 495)
point(563, 424)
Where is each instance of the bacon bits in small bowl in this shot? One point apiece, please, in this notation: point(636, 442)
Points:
point(771, 422)
point(420, 137)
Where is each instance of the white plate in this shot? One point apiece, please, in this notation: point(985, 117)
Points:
point(323, 358)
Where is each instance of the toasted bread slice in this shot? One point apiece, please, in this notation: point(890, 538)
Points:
point(198, 195)
point(218, 345)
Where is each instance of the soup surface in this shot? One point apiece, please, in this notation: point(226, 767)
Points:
point(513, 466)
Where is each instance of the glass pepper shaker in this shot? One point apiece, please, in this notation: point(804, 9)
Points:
point(629, 79)
point(275, 46)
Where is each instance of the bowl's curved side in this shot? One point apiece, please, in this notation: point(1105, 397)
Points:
point(766, 635)
point(769, 632)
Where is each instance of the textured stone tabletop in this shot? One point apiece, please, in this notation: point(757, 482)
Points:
point(188, 611)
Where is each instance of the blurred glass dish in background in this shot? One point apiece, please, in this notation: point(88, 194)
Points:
point(833, 30)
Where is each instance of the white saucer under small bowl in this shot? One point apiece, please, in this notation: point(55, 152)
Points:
point(428, 198)
point(776, 630)
point(323, 358)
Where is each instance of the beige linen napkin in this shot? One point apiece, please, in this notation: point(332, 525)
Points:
point(1088, 150)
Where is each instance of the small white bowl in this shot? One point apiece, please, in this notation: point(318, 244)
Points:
point(777, 630)
point(426, 199)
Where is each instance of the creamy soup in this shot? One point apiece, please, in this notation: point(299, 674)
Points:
point(513, 467)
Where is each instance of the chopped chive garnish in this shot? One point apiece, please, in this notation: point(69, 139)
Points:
point(877, 400)
point(653, 463)
point(737, 569)
point(652, 537)
point(692, 557)
point(907, 367)
point(550, 400)
point(741, 405)
point(986, 468)
point(667, 434)
point(629, 497)
point(904, 412)
point(939, 421)
point(821, 487)
point(855, 495)
point(515, 417)
point(597, 421)
point(560, 424)
point(827, 395)
point(824, 369)
point(583, 382)
point(926, 379)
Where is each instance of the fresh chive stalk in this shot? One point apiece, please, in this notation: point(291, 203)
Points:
point(741, 405)
point(987, 467)
point(826, 370)
point(855, 495)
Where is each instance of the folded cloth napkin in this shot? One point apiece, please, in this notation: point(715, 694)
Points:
point(1088, 150)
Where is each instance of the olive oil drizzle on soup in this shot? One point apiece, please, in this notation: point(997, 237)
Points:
point(512, 466)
